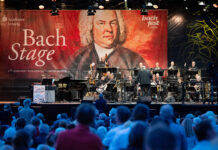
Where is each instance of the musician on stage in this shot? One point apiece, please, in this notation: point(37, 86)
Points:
point(144, 80)
point(193, 66)
point(172, 66)
point(198, 87)
point(193, 70)
point(157, 67)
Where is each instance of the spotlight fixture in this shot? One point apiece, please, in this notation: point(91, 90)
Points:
point(144, 10)
point(201, 3)
point(155, 6)
point(101, 4)
point(41, 4)
point(91, 10)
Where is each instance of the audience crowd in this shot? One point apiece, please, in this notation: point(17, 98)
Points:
point(122, 129)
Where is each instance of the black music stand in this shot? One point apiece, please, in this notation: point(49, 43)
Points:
point(160, 71)
point(112, 70)
point(47, 81)
point(172, 72)
point(192, 73)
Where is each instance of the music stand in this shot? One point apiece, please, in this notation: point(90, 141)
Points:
point(192, 73)
point(112, 70)
point(160, 71)
point(47, 81)
point(172, 72)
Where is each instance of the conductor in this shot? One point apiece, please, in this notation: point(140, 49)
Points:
point(144, 80)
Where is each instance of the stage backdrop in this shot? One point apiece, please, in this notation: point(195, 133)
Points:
point(33, 43)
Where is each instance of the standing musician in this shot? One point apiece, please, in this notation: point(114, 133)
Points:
point(172, 66)
point(144, 80)
point(198, 87)
point(193, 70)
point(157, 67)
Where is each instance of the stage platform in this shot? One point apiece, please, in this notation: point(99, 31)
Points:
point(50, 110)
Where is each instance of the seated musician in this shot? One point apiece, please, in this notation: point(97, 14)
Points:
point(158, 79)
point(172, 73)
point(130, 88)
point(153, 80)
point(111, 92)
point(179, 89)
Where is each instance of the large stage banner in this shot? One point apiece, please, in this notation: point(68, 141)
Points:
point(34, 44)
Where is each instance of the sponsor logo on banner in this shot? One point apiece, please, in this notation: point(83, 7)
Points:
point(11, 21)
point(152, 21)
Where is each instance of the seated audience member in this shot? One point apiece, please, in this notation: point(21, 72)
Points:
point(121, 139)
point(80, 138)
point(167, 113)
point(6, 147)
point(26, 112)
point(43, 147)
point(190, 135)
point(160, 137)
point(43, 132)
point(20, 123)
point(137, 136)
point(205, 133)
point(101, 104)
point(22, 140)
point(101, 132)
point(122, 115)
point(9, 135)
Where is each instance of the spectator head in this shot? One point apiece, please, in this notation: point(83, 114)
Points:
point(27, 103)
point(102, 116)
point(140, 112)
point(44, 129)
point(187, 124)
point(35, 121)
point(112, 112)
point(99, 123)
point(9, 135)
point(43, 147)
point(190, 116)
point(20, 123)
point(196, 120)
point(64, 116)
point(122, 115)
point(204, 130)
point(166, 112)
point(160, 137)
point(7, 107)
point(58, 116)
point(22, 140)
point(31, 130)
point(19, 108)
point(63, 124)
point(101, 132)
point(6, 147)
point(59, 130)
point(210, 113)
point(85, 114)
point(41, 116)
point(137, 135)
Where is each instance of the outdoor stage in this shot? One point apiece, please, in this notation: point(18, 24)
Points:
point(50, 110)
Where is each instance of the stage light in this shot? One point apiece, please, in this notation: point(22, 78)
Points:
point(41, 6)
point(101, 7)
point(178, 19)
point(215, 5)
point(149, 4)
point(107, 0)
point(101, 4)
point(144, 10)
point(155, 6)
point(186, 8)
point(201, 3)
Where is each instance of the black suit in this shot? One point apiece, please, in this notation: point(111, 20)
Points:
point(144, 78)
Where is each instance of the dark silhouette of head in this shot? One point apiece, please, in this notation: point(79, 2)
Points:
point(141, 112)
point(123, 114)
point(85, 114)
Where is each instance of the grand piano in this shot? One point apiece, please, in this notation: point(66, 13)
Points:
point(71, 90)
